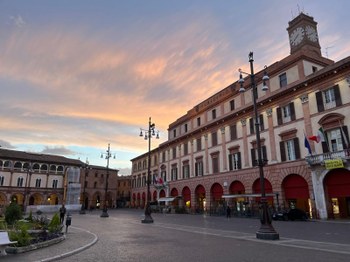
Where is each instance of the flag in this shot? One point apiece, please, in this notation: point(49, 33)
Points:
point(344, 137)
point(307, 145)
point(319, 136)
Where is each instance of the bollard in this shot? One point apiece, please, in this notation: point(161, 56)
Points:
point(68, 222)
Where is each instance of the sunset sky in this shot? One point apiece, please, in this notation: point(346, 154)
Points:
point(77, 75)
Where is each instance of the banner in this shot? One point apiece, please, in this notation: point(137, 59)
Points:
point(334, 163)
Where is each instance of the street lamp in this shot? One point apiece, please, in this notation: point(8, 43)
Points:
point(86, 171)
point(148, 135)
point(27, 184)
point(107, 156)
point(266, 230)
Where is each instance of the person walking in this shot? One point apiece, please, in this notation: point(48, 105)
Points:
point(228, 212)
point(62, 213)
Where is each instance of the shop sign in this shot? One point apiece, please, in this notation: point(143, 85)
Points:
point(334, 163)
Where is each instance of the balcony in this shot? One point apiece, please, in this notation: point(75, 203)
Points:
point(320, 159)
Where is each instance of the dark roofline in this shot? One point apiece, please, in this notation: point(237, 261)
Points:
point(37, 157)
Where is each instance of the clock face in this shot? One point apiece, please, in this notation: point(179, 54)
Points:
point(297, 36)
point(311, 33)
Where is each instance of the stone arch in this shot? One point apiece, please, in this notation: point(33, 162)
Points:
point(96, 200)
point(216, 201)
point(236, 188)
point(44, 168)
point(186, 196)
point(336, 185)
point(53, 168)
point(36, 167)
point(37, 199)
point(17, 165)
point(3, 199)
point(53, 199)
point(200, 200)
point(256, 188)
point(296, 192)
point(174, 192)
point(154, 194)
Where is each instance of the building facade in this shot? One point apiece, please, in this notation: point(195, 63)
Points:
point(45, 182)
point(38, 180)
point(210, 158)
point(96, 181)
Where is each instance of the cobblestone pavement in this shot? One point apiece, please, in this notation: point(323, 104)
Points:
point(172, 237)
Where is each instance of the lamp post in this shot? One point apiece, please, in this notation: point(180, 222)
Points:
point(83, 207)
point(27, 184)
point(266, 230)
point(107, 156)
point(149, 133)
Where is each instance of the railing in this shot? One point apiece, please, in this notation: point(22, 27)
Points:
point(319, 159)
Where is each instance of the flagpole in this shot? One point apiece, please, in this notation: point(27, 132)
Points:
point(325, 138)
point(343, 135)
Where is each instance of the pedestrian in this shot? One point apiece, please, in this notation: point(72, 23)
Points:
point(62, 213)
point(228, 212)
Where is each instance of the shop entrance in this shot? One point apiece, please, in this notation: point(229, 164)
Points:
point(337, 191)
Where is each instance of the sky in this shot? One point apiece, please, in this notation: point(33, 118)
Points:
point(78, 75)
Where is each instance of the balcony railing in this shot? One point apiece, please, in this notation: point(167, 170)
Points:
point(319, 159)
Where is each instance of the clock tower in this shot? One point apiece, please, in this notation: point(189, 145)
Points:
point(303, 35)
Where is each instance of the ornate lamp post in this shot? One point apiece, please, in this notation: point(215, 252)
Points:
point(107, 156)
point(27, 185)
point(149, 133)
point(266, 230)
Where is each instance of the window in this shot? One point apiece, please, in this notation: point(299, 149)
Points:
point(335, 140)
point(233, 132)
point(252, 124)
point(38, 182)
point(199, 167)
point(55, 183)
point(213, 113)
point(215, 162)
point(290, 149)
point(95, 184)
point(329, 98)
point(20, 182)
point(314, 69)
point(174, 133)
point(285, 114)
point(1, 180)
point(185, 148)
point(232, 105)
point(85, 184)
point(214, 139)
point(174, 152)
point(186, 169)
point(283, 80)
point(163, 174)
point(186, 128)
point(234, 160)
point(254, 155)
point(163, 156)
point(174, 173)
point(199, 144)
point(198, 121)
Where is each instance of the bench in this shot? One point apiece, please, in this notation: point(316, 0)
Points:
point(4, 242)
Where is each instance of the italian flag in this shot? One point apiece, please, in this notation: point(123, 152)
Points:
point(319, 136)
